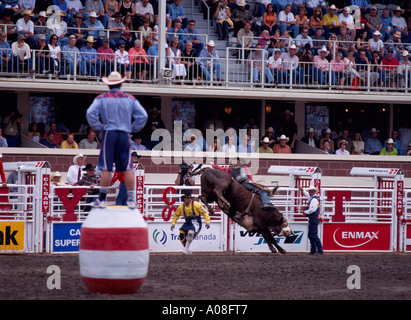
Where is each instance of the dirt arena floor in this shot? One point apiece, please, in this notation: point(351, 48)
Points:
point(221, 276)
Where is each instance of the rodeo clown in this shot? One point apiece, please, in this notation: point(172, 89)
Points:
point(313, 212)
point(191, 211)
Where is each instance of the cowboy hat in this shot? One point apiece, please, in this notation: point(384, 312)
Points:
point(312, 188)
point(88, 166)
point(377, 33)
point(397, 34)
point(42, 14)
point(114, 78)
point(399, 9)
point(80, 155)
point(266, 140)
point(374, 130)
point(27, 13)
point(311, 129)
point(405, 53)
point(56, 174)
point(332, 7)
point(154, 110)
point(292, 47)
point(342, 142)
point(211, 43)
point(90, 39)
point(283, 137)
point(242, 3)
point(390, 141)
point(186, 195)
point(323, 49)
point(93, 14)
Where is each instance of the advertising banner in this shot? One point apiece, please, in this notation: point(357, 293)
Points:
point(161, 238)
point(66, 237)
point(356, 237)
point(253, 241)
point(12, 235)
point(408, 237)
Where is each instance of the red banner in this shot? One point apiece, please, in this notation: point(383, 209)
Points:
point(140, 191)
point(356, 237)
point(45, 192)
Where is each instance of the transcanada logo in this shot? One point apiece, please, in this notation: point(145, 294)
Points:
point(295, 239)
point(360, 238)
point(159, 236)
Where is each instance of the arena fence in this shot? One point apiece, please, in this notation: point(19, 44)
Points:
point(36, 217)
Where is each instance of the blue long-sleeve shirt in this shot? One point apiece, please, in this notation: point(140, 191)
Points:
point(116, 109)
point(176, 12)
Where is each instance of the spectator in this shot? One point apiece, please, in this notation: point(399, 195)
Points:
point(2, 173)
point(96, 8)
point(33, 132)
point(362, 43)
point(373, 145)
point(154, 122)
point(269, 133)
point(318, 39)
point(310, 138)
point(89, 57)
point(145, 33)
point(245, 145)
point(178, 32)
point(58, 26)
point(7, 22)
point(270, 19)
point(69, 143)
point(127, 36)
point(338, 70)
point(174, 56)
point(345, 135)
point(58, 139)
point(21, 59)
point(136, 142)
point(375, 44)
point(223, 18)
point(79, 29)
point(54, 55)
point(362, 65)
point(26, 27)
point(301, 19)
point(41, 56)
point(245, 40)
point(3, 140)
point(396, 142)
point(188, 59)
point(90, 179)
point(386, 24)
point(258, 65)
point(176, 11)
point(230, 146)
point(94, 26)
point(358, 144)
point(5, 53)
point(106, 57)
point(399, 24)
point(56, 179)
point(389, 64)
point(139, 61)
point(265, 148)
point(344, 41)
point(12, 5)
point(374, 22)
point(316, 22)
point(110, 7)
point(287, 21)
point(312, 5)
point(144, 10)
point(409, 150)
point(191, 34)
point(275, 64)
point(331, 24)
point(127, 8)
point(327, 136)
point(123, 61)
point(404, 71)
point(405, 134)
point(49, 141)
point(282, 146)
point(116, 28)
point(303, 39)
point(342, 148)
point(321, 68)
point(346, 19)
point(72, 58)
point(75, 171)
point(209, 61)
point(288, 128)
point(40, 26)
point(395, 43)
point(240, 16)
point(290, 64)
point(326, 147)
point(389, 150)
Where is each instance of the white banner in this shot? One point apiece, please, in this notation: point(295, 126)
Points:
point(253, 241)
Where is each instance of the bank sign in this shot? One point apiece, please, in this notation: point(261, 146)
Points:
point(253, 241)
point(12, 235)
point(357, 237)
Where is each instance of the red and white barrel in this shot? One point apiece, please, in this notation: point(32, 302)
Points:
point(114, 253)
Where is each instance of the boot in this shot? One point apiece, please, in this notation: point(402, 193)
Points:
point(267, 206)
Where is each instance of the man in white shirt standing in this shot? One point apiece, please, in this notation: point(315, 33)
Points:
point(287, 21)
point(75, 172)
point(26, 27)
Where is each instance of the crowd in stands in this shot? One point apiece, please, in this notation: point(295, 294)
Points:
point(299, 38)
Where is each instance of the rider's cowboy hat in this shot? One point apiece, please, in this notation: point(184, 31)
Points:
point(114, 78)
point(311, 188)
point(80, 155)
point(186, 196)
point(282, 137)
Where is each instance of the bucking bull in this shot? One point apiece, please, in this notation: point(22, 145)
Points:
point(232, 197)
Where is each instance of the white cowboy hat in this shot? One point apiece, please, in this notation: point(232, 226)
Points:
point(323, 49)
point(266, 140)
point(374, 130)
point(80, 155)
point(28, 13)
point(242, 3)
point(333, 7)
point(114, 78)
point(292, 47)
point(399, 9)
point(311, 130)
point(56, 174)
point(211, 43)
point(347, 9)
point(342, 141)
point(390, 141)
point(311, 187)
point(405, 53)
point(93, 14)
point(42, 14)
point(377, 33)
point(283, 137)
